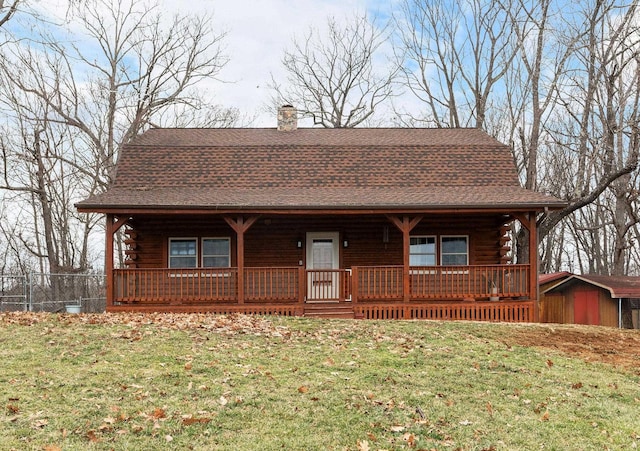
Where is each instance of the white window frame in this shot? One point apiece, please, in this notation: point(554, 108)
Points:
point(466, 254)
point(169, 256)
point(202, 256)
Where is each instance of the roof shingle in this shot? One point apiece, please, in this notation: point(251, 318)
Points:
point(316, 168)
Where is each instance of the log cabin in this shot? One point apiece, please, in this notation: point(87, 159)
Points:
point(375, 223)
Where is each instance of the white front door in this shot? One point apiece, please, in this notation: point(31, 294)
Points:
point(323, 259)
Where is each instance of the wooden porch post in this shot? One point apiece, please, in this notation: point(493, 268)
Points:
point(240, 226)
point(111, 228)
point(533, 264)
point(405, 225)
point(528, 221)
point(302, 287)
point(108, 257)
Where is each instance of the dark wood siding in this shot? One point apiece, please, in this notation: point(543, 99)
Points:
point(272, 241)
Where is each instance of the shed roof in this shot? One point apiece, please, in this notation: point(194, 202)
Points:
point(353, 168)
point(625, 287)
point(552, 277)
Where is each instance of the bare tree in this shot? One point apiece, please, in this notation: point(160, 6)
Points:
point(454, 56)
point(609, 36)
point(73, 103)
point(332, 78)
point(8, 10)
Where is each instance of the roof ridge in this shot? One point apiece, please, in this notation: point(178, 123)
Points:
point(320, 146)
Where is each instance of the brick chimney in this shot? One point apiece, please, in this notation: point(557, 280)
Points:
point(287, 118)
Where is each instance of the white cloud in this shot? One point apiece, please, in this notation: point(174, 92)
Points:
point(258, 33)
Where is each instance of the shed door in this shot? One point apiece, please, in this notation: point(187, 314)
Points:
point(586, 307)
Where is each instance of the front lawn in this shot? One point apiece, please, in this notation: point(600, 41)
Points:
point(204, 382)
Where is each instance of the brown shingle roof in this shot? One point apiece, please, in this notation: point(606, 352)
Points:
point(316, 168)
point(625, 287)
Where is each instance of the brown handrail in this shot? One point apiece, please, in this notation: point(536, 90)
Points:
point(294, 284)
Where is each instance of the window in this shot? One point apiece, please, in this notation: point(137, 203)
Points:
point(454, 250)
point(183, 253)
point(216, 253)
point(422, 251)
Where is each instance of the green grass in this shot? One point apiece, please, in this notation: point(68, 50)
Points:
point(203, 382)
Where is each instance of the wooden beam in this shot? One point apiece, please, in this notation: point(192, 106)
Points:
point(117, 225)
point(240, 226)
point(523, 219)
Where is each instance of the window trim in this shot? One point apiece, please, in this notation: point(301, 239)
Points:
point(202, 254)
point(441, 253)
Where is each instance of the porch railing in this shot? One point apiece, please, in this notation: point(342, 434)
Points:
point(379, 283)
point(446, 282)
point(271, 284)
point(176, 285)
point(361, 284)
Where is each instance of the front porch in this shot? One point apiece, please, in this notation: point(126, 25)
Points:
point(470, 292)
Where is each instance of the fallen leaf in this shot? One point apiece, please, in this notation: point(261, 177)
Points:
point(303, 389)
point(397, 428)
point(410, 439)
point(52, 448)
point(549, 363)
point(490, 408)
point(188, 366)
point(223, 401)
point(168, 438)
point(363, 445)
point(190, 421)
point(39, 424)
point(545, 417)
point(91, 435)
point(158, 413)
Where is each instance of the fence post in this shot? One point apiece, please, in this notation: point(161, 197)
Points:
point(30, 276)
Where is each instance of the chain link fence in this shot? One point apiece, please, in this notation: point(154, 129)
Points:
point(13, 293)
point(43, 292)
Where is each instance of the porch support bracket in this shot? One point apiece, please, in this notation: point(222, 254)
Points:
point(240, 225)
point(405, 225)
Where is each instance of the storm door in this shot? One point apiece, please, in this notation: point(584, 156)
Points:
point(323, 275)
